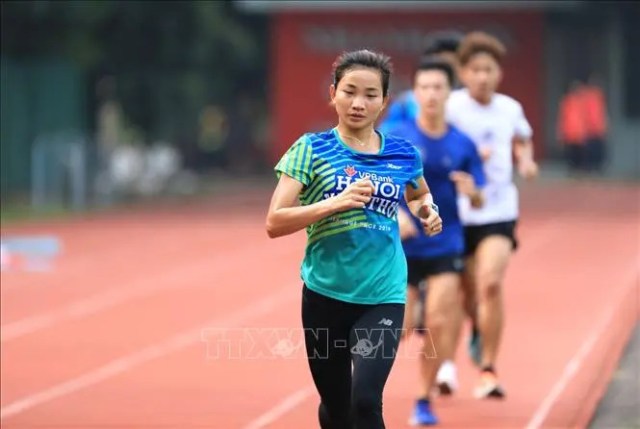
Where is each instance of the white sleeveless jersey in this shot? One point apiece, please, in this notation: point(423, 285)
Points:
point(492, 126)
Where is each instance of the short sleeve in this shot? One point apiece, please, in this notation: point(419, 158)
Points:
point(522, 127)
point(296, 162)
point(417, 171)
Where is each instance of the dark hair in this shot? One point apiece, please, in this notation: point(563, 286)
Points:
point(434, 63)
point(479, 42)
point(442, 41)
point(363, 58)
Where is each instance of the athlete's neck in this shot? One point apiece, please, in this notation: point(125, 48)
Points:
point(363, 137)
point(433, 126)
point(483, 99)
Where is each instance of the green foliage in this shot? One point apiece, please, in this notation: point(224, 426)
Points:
point(169, 58)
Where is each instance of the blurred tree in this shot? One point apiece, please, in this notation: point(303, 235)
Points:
point(169, 58)
point(54, 28)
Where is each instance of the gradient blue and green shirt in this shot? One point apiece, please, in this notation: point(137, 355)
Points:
point(354, 256)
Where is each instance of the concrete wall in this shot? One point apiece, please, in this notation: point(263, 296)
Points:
point(625, 132)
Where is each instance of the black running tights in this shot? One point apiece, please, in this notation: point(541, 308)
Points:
point(351, 349)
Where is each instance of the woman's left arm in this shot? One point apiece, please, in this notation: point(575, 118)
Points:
point(421, 204)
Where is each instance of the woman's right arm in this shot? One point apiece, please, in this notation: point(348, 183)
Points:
point(286, 216)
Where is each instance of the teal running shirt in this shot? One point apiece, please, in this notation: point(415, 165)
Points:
point(354, 256)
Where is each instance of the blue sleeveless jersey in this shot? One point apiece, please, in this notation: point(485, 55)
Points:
point(354, 256)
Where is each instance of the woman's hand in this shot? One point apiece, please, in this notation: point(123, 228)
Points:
point(354, 196)
point(430, 219)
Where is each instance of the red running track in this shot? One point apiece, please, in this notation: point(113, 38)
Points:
point(122, 333)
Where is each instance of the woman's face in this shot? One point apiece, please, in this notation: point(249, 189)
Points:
point(482, 75)
point(358, 97)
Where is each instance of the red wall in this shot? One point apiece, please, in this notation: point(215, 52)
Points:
point(304, 46)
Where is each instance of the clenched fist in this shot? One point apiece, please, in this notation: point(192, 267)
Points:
point(430, 219)
point(355, 196)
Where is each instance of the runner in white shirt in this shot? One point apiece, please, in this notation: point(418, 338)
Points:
point(497, 125)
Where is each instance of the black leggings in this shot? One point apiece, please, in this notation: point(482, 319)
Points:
point(338, 334)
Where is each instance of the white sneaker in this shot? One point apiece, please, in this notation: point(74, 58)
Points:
point(447, 378)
